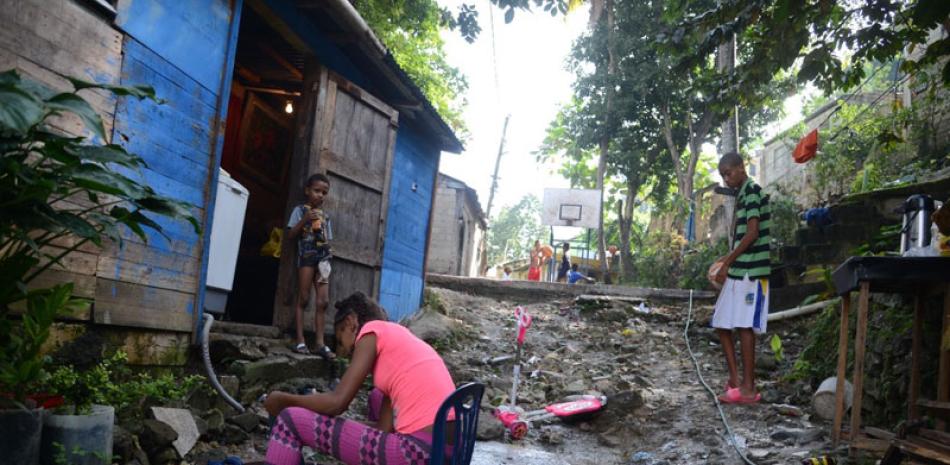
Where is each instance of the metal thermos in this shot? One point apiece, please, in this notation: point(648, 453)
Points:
point(915, 229)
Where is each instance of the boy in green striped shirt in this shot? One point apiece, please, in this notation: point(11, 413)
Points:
point(743, 303)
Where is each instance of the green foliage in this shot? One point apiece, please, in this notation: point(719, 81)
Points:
point(21, 363)
point(410, 29)
point(822, 275)
point(696, 263)
point(62, 457)
point(432, 301)
point(882, 142)
point(776, 345)
point(512, 233)
point(887, 362)
point(112, 382)
point(659, 261)
point(785, 219)
point(885, 241)
point(466, 20)
point(811, 38)
point(58, 193)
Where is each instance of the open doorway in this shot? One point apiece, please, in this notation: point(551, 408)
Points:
point(259, 136)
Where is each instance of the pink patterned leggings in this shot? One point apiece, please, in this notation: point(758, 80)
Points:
point(347, 440)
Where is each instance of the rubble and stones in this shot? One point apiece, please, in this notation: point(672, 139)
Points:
point(657, 412)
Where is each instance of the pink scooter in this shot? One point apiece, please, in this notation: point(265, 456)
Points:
point(517, 421)
point(574, 408)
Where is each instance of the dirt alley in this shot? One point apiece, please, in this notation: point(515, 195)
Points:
point(658, 412)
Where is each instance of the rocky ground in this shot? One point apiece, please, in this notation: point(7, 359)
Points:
point(658, 412)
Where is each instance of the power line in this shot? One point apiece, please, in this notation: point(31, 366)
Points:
point(494, 53)
point(852, 94)
point(871, 105)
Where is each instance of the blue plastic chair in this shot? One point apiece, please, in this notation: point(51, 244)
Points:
point(465, 401)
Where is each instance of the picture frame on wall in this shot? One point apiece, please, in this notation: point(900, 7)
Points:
point(265, 143)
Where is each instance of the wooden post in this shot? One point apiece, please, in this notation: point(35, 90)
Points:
point(861, 331)
point(914, 389)
point(842, 364)
point(943, 383)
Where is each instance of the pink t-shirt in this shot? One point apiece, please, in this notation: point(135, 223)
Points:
point(410, 373)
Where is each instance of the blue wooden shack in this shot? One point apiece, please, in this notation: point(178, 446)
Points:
point(270, 91)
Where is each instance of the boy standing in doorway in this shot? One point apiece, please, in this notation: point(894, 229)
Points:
point(743, 303)
point(311, 226)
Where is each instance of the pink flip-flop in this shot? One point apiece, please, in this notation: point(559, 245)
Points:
point(734, 396)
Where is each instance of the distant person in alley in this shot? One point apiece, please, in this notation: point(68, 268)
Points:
point(565, 265)
point(534, 269)
point(574, 276)
point(743, 303)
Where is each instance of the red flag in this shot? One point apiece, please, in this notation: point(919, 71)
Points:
point(806, 148)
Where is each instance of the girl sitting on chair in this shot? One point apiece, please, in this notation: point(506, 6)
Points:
point(409, 378)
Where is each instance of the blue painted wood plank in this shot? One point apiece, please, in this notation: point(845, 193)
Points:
point(401, 281)
point(220, 116)
point(190, 34)
point(141, 65)
point(165, 185)
point(142, 120)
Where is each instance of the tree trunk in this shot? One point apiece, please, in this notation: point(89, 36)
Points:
point(625, 215)
point(605, 138)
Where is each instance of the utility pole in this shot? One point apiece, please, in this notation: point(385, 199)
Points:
point(483, 252)
point(726, 63)
point(729, 140)
point(494, 177)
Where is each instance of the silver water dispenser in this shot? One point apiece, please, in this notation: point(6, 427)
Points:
point(915, 229)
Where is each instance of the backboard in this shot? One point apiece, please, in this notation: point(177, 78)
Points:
point(571, 207)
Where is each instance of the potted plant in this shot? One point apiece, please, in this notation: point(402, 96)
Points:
point(57, 193)
point(21, 417)
point(80, 431)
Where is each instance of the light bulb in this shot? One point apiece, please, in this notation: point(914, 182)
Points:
point(289, 108)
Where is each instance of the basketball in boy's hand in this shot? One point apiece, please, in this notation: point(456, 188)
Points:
point(713, 271)
point(547, 251)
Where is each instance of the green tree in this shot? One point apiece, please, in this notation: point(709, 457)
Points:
point(514, 230)
point(828, 42)
point(410, 29)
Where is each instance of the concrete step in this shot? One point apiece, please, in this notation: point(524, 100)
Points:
point(243, 329)
point(826, 254)
point(228, 347)
point(861, 232)
point(787, 297)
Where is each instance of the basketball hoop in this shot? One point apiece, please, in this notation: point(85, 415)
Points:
point(571, 207)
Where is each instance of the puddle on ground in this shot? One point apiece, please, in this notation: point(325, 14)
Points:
point(494, 453)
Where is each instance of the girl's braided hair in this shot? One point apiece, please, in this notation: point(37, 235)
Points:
point(365, 309)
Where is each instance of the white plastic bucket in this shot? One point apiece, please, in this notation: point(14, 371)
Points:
point(824, 399)
point(85, 439)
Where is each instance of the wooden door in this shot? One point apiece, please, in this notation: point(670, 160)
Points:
point(349, 136)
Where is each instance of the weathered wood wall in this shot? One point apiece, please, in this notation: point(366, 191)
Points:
point(182, 50)
point(415, 165)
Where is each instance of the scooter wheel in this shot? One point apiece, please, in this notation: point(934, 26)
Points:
point(518, 430)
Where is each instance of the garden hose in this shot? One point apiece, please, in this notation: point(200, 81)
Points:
point(699, 373)
point(206, 356)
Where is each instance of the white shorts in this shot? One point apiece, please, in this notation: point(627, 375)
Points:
point(743, 304)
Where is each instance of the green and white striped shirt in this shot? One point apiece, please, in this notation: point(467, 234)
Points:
point(755, 262)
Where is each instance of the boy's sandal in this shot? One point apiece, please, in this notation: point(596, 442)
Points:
point(734, 396)
point(326, 353)
point(301, 348)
